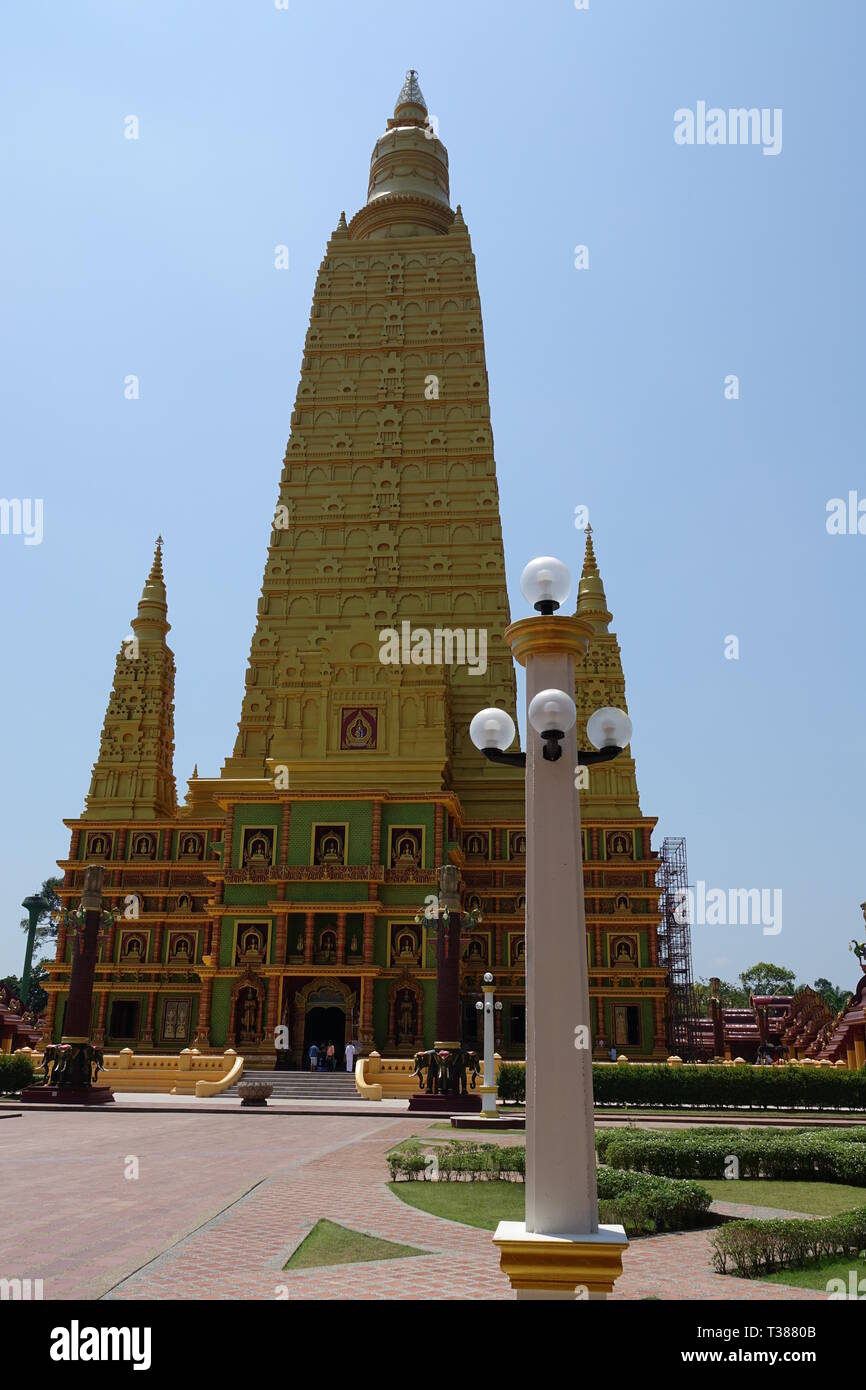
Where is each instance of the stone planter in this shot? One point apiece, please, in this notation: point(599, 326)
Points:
point(254, 1092)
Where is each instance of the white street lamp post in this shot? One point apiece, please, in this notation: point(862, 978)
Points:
point(488, 1090)
point(560, 1251)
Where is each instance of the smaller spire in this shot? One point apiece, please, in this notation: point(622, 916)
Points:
point(591, 599)
point(194, 771)
point(133, 776)
point(342, 226)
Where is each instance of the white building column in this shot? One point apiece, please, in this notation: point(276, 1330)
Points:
point(488, 1090)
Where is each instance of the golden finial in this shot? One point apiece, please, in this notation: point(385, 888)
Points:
point(156, 567)
point(591, 600)
point(590, 564)
point(152, 604)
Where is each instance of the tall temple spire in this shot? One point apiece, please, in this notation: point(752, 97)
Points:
point(133, 776)
point(591, 599)
point(390, 512)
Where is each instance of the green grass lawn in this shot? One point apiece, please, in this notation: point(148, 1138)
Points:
point(813, 1198)
point(482, 1204)
point(817, 1275)
point(330, 1244)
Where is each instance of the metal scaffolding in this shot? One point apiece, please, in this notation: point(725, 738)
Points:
point(675, 947)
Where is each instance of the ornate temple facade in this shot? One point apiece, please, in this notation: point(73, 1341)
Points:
point(286, 890)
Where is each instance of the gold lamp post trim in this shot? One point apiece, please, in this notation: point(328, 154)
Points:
point(545, 635)
point(558, 1264)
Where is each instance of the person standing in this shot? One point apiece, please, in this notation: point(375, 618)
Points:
point(331, 1056)
point(350, 1057)
point(314, 1057)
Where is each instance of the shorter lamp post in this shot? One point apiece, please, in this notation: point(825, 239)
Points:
point(70, 1068)
point(448, 1059)
point(35, 906)
point(562, 1251)
point(488, 1090)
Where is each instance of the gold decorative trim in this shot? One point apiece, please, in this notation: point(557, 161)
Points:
point(544, 635)
point(558, 1263)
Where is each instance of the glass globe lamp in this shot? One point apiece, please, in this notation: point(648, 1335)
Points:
point(545, 583)
point(609, 728)
point(492, 728)
point(552, 711)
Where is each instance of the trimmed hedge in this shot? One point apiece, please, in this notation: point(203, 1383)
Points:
point(787, 1087)
point(791, 1087)
point(755, 1248)
point(511, 1083)
point(834, 1155)
point(644, 1205)
point(458, 1160)
point(649, 1205)
point(16, 1072)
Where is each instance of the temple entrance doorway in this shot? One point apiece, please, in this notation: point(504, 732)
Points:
point(318, 1010)
point(323, 1025)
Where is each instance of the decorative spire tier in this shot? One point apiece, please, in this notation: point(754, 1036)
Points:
point(408, 193)
point(133, 776)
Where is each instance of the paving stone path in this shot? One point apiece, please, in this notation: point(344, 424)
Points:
point(221, 1202)
point(743, 1210)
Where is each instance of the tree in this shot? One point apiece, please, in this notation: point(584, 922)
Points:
point(37, 999)
point(765, 978)
point(833, 995)
point(730, 995)
point(48, 921)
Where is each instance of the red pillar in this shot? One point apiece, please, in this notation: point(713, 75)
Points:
point(368, 938)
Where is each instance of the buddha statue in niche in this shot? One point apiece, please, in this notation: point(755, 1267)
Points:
point(258, 852)
point(331, 849)
point(407, 947)
point(407, 854)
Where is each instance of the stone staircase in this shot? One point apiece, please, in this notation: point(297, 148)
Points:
point(302, 1085)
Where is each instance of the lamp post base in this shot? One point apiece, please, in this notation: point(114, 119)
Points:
point(422, 1102)
point(488, 1102)
point(571, 1267)
point(68, 1095)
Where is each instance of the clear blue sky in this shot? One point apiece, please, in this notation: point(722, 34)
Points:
point(155, 257)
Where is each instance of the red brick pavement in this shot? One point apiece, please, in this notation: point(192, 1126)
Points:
point(221, 1202)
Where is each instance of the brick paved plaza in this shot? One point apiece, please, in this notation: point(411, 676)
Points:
point(221, 1202)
